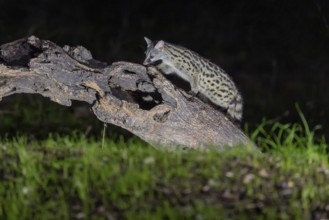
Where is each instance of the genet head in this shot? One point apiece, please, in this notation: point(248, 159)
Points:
point(154, 53)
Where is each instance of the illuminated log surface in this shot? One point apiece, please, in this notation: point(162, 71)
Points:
point(138, 99)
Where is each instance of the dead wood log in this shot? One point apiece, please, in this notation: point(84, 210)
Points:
point(128, 95)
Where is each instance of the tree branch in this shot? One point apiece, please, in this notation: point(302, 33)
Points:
point(128, 95)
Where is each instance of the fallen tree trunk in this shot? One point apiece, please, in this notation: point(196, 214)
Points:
point(128, 95)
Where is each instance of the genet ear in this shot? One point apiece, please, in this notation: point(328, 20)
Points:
point(149, 42)
point(159, 45)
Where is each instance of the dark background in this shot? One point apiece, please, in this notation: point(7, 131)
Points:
point(276, 51)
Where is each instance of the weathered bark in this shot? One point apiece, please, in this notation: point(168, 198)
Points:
point(128, 95)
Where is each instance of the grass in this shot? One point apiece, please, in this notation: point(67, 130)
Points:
point(73, 177)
